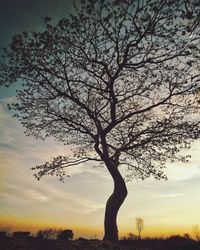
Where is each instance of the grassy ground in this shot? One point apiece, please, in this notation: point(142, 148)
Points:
point(7, 243)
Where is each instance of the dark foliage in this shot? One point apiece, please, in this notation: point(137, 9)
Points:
point(21, 235)
point(48, 233)
point(3, 234)
point(65, 235)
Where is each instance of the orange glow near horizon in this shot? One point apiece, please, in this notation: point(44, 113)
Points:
point(11, 224)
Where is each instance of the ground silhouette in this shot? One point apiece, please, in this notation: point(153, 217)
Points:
point(20, 242)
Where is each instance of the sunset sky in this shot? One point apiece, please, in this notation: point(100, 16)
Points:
point(167, 207)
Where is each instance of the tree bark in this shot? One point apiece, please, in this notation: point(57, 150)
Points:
point(113, 204)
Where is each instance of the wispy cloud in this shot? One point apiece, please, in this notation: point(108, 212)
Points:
point(37, 195)
point(173, 195)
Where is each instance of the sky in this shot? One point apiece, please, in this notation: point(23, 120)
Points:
point(167, 207)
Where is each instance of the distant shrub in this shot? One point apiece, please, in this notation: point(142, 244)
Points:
point(82, 239)
point(20, 234)
point(3, 234)
point(48, 233)
point(180, 239)
point(66, 235)
point(130, 236)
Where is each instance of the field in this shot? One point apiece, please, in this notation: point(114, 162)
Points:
point(11, 243)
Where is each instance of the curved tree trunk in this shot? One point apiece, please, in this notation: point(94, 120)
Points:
point(113, 204)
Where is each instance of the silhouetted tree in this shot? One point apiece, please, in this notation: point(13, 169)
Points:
point(119, 80)
point(196, 232)
point(139, 226)
point(187, 236)
point(66, 235)
point(48, 233)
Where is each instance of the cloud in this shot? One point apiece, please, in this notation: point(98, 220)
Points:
point(173, 195)
point(37, 195)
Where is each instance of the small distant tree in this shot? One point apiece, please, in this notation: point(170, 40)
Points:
point(40, 234)
point(139, 226)
point(48, 233)
point(187, 236)
point(196, 232)
point(66, 235)
point(118, 79)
